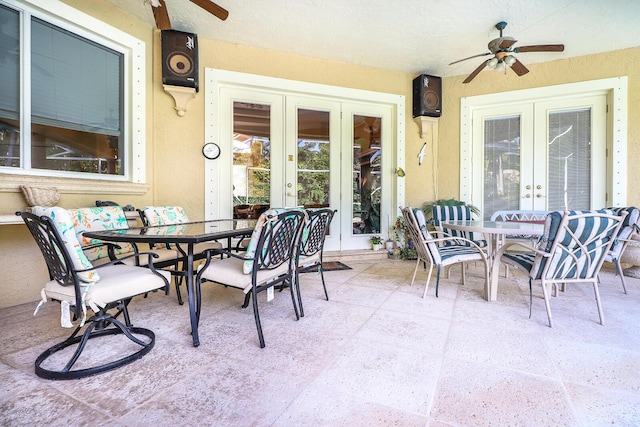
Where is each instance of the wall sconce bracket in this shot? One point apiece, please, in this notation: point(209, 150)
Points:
point(425, 123)
point(181, 95)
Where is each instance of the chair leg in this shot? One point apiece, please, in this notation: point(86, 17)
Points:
point(426, 286)
point(597, 294)
point(256, 315)
point(294, 292)
point(415, 270)
point(438, 279)
point(621, 274)
point(178, 282)
point(326, 295)
point(545, 293)
point(297, 279)
point(464, 277)
point(93, 331)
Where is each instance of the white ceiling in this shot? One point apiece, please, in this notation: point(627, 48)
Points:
point(414, 36)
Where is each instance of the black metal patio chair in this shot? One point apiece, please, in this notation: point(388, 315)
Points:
point(80, 286)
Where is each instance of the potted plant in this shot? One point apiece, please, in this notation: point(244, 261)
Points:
point(376, 243)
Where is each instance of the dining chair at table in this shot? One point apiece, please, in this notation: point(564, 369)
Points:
point(314, 234)
point(628, 228)
point(457, 250)
point(170, 215)
point(443, 213)
point(106, 290)
point(571, 251)
point(270, 261)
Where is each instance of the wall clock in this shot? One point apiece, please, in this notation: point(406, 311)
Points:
point(211, 150)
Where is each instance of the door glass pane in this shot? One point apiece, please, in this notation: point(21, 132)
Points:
point(251, 159)
point(367, 184)
point(313, 158)
point(502, 165)
point(569, 160)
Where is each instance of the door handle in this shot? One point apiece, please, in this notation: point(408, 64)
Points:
point(527, 196)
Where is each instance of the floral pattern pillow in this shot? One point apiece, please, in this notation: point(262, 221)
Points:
point(99, 218)
point(163, 215)
point(63, 223)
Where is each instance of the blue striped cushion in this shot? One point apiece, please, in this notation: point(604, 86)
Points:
point(628, 225)
point(455, 213)
point(431, 247)
point(562, 264)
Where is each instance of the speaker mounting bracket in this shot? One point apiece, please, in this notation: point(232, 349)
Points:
point(181, 95)
point(425, 123)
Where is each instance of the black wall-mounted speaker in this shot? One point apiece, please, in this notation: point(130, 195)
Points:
point(427, 96)
point(179, 59)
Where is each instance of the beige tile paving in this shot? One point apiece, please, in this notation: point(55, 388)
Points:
point(375, 354)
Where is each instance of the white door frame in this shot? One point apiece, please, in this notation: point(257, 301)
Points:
point(614, 88)
point(217, 172)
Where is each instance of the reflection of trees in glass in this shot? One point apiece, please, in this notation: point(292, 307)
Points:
point(313, 172)
point(254, 155)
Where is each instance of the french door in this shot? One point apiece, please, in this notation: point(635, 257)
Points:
point(296, 150)
point(545, 155)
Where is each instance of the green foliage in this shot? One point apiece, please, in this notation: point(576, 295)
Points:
point(427, 207)
point(408, 254)
point(375, 240)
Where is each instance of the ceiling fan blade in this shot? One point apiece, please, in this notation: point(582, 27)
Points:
point(212, 8)
point(476, 71)
point(519, 68)
point(540, 48)
point(507, 42)
point(470, 57)
point(161, 16)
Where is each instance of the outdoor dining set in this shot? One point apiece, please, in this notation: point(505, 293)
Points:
point(94, 261)
point(99, 258)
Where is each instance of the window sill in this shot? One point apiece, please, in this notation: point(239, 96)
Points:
point(11, 184)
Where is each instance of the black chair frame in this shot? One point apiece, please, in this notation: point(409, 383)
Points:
point(277, 244)
point(318, 223)
point(61, 269)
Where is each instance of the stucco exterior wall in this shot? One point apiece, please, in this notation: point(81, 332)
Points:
point(175, 167)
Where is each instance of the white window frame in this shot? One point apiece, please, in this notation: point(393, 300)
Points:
point(616, 92)
point(134, 126)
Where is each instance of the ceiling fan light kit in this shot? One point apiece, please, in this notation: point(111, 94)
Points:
point(503, 58)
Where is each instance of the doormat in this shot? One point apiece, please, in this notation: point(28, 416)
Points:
point(334, 266)
point(329, 266)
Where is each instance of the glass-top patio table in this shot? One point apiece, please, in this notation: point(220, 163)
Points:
point(496, 232)
point(185, 234)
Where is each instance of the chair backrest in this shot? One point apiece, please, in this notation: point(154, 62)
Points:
point(418, 232)
point(315, 231)
point(629, 225)
point(99, 218)
point(534, 217)
point(442, 213)
point(52, 230)
point(577, 242)
point(163, 215)
point(275, 239)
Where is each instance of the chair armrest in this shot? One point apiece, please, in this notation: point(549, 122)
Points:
point(458, 239)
